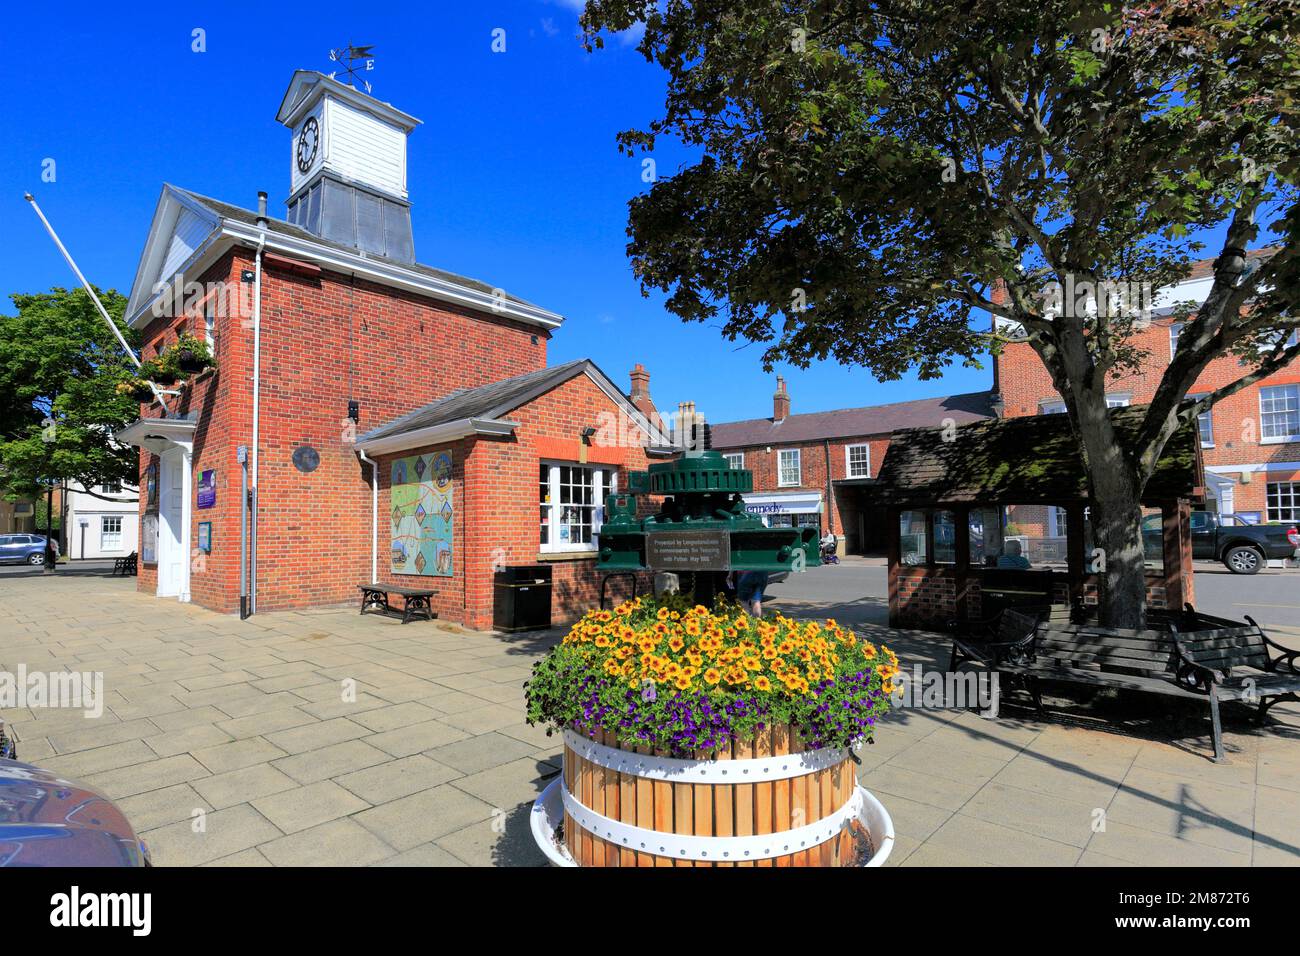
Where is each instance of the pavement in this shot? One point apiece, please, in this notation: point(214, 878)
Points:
point(326, 738)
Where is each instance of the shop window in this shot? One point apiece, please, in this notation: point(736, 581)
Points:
point(858, 461)
point(800, 520)
point(789, 472)
point(110, 533)
point(571, 502)
point(911, 534)
point(1283, 500)
point(1279, 413)
point(945, 537)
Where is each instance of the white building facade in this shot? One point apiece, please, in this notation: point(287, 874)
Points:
point(105, 524)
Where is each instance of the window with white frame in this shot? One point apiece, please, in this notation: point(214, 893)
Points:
point(1283, 500)
point(110, 533)
point(1175, 330)
point(736, 459)
point(571, 502)
point(1279, 413)
point(788, 469)
point(1204, 424)
point(857, 460)
point(111, 488)
point(210, 323)
point(1051, 408)
point(1118, 400)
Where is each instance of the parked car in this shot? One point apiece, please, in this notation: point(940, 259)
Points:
point(46, 820)
point(24, 549)
point(1243, 547)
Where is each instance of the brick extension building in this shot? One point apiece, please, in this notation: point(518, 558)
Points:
point(398, 422)
point(815, 469)
point(1250, 441)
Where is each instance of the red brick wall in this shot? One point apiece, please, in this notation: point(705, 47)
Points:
point(1235, 420)
point(496, 506)
point(324, 340)
point(842, 507)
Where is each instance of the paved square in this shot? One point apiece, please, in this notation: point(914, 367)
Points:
point(324, 738)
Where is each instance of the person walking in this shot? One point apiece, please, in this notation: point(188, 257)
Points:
point(749, 591)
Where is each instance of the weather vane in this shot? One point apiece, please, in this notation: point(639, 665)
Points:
point(353, 60)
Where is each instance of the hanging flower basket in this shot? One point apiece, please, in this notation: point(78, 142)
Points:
point(136, 389)
point(697, 737)
point(192, 355)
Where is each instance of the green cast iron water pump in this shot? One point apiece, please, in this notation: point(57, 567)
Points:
point(702, 524)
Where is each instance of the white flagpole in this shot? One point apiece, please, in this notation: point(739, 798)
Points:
point(94, 298)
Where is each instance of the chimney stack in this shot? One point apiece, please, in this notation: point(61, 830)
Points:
point(640, 394)
point(780, 401)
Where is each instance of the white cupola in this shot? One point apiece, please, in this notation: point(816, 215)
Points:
point(347, 173)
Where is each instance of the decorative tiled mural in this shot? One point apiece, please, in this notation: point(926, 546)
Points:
point(422, 515)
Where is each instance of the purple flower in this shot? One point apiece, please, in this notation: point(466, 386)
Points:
point(648, 691)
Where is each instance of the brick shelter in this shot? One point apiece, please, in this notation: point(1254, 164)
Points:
point(947, 493)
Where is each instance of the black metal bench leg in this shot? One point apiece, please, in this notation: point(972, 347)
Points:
point(1215, 727)
point(952, 660)
point(1031, 683)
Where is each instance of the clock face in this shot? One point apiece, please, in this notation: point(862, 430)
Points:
point(308, 142)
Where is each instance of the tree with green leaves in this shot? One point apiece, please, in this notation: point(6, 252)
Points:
point(874, 178)
point(60, 366)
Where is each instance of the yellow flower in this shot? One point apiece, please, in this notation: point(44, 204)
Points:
point(752, 664)
point(676, 643)
point(713, 675)
point(683, 683)
point(761, 683)
point(663, 614)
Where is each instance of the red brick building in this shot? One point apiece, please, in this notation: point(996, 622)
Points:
point(1250, 441)
point(814, 469)
point(391, 421)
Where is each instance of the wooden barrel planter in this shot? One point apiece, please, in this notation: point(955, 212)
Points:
point(769, 802)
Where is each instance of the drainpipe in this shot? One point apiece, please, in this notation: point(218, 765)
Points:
point(257, 397)
point(374, 516)
point(830, 491)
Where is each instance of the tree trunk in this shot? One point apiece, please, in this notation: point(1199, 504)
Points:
point(1116, 557)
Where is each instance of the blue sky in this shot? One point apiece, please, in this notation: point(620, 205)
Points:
point(514, 176)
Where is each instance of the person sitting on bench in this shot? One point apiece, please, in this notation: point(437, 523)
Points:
point(1011, 557)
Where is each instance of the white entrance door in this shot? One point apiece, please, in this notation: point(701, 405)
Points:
point(171, 510)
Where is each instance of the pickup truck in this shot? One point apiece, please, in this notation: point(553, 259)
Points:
point(1243, 547)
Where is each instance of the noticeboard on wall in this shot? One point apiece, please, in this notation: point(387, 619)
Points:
point(207, 488)
point(149, 538)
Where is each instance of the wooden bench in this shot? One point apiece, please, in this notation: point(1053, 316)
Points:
point(128, 565)
point(414, 600)
point(1221, 659)
point(1059, 650)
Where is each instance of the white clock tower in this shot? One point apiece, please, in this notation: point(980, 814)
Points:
point(347, 176)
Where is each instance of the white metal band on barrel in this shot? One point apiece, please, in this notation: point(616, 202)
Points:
point(674, 770)
point(757, 847)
